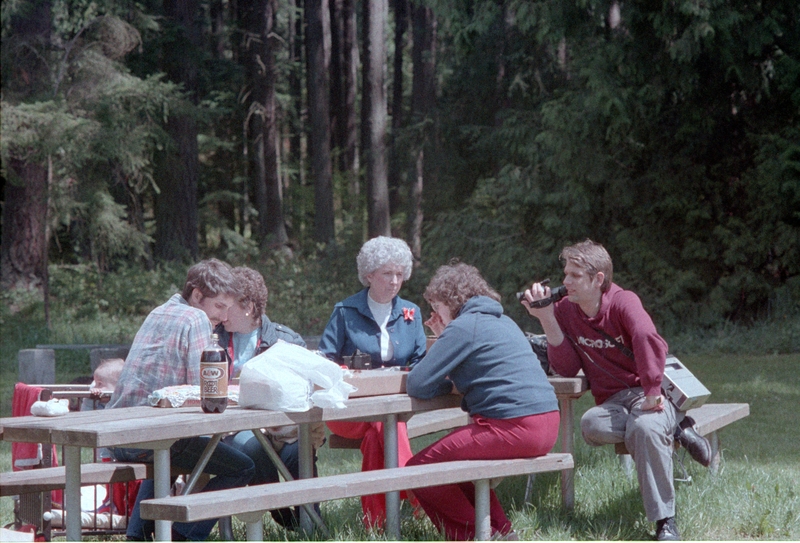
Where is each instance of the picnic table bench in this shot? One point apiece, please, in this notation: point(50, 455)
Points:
point(250, 503)
point(709, 420)
point(94, 473)
point(567, 389)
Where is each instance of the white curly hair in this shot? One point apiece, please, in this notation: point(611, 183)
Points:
point(383, 250)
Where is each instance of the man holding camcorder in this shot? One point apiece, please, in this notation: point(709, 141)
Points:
point(604, 330)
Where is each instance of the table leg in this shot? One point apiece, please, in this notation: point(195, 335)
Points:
point(391, 460)
point(201, 464)
point(483, 523)
point(306, 469)
point(567, 445)
point(161, 478)
point(72, 491)
point(287, 476)
point(255, 525)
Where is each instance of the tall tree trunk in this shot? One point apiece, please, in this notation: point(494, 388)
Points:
point(374, 95)
point(395, 178)
point(423, 101)
point(176, 206)
point(259, 57)
point(23, 241)
point(318, 54)
point(292, 126)
point(296, 82)
point(23, 251)
point(273, 224)
point(216, 12)
point(337, 82)
point(350, 82)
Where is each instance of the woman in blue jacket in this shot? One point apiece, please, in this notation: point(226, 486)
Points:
point(377, 322)
point(483, 355)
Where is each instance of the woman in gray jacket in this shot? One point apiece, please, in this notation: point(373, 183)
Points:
point(483, 355)
point(246, 333)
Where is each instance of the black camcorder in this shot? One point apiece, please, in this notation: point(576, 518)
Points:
point(358, 361)
point(555, 295)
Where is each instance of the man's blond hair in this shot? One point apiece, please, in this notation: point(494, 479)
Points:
point(591, 257)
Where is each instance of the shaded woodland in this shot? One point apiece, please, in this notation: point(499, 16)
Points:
point(140, 133)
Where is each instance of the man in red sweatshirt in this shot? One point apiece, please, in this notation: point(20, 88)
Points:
point(604, 331)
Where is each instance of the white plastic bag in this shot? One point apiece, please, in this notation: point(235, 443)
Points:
point(288, 377)
point(50, 408)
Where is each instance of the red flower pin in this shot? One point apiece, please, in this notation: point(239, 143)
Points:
point(408, 313)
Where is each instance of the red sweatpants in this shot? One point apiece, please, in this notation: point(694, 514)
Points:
point(452, 507)
point(371, 435)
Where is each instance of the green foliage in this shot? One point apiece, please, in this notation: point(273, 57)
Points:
point(82, 292)
point(99, 128)
point(110, 234)
point(671, 139)
point(33, 132)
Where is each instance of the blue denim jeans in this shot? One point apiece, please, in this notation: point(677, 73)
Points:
point(266, 472)
point(230, 467)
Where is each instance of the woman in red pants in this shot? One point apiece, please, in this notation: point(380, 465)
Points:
point(377, 322)
point(483, 355)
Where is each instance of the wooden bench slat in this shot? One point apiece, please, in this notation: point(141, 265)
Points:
point(431, 422)
point(96, 473)
point(427, 422)
point(257, 498)
point(709, 418)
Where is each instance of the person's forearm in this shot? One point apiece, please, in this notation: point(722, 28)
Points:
point(552, 330)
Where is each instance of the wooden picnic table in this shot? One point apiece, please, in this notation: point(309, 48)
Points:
point(158, 428)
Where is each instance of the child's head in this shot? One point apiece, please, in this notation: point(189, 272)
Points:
point(107, 373)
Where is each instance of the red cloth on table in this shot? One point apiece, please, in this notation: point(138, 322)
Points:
point(371, 436)
point(28, 455)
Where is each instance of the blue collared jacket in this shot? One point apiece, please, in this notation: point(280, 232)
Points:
point(352, 327)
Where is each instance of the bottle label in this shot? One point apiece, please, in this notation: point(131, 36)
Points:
point(214, 379)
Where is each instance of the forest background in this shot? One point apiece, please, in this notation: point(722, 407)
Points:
point(140, 136)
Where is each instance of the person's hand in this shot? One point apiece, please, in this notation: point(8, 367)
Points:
point(538, 291)
point(654, 402)
point(435, 323)
point(95, 393)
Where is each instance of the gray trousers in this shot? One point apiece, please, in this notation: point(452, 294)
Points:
point(648, 436)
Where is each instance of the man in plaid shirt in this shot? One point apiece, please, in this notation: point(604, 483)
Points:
point(166, 352)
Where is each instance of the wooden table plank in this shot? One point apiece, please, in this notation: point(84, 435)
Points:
point(128, 426)
point(573, 387)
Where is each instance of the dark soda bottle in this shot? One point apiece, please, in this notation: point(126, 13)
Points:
point(214, 378)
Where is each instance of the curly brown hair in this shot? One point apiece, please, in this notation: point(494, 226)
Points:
point(253, 289)
point(455, 283)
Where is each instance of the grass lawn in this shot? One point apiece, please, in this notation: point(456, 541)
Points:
point(755, 495)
